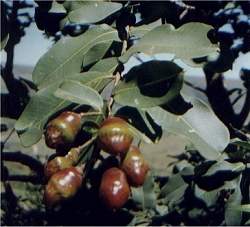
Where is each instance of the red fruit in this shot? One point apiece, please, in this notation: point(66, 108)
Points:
point(62, 185)
point(63, 129)
point(114, 189)
point(114, 136)
point(135, 167)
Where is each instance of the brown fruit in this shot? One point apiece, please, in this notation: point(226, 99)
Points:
point(114, 136)
point(135, 167)
point(114, 189)
point(63, 129)
point(55, 165)
point(62, 185)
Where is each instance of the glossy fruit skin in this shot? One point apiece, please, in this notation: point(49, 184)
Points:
point(62, 185)
point(135, 167)
point(55, 165)
point(114, 136)
point(114, 189)
point(61, 162)
point(63, 129)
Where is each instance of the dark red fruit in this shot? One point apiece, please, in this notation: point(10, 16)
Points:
point(135, 167)
point(114, 189)
point(115, 136)
point(62, 185)
point(63, 129)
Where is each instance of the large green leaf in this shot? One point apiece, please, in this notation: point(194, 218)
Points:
point(199, 124)
point(66, 56)
point(44, 104)
point(152, 83)
point(187, 42)
point(79, 93)
point(90, 11)
point(96, 53)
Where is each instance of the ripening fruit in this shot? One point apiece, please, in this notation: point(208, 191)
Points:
point(62, 185)
point(114, 189)
point(135, 167)
point(55, 165)
point(114, 136)
point(63, 129)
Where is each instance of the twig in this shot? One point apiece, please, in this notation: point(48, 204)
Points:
point(7, 138)
point(195, 87)
point(83, 114)
point(242, 116)
point(238, 98)
point(34, 179)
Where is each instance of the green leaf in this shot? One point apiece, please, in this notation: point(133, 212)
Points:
point(145, 196)
point(152, 83)
point(77, 92)
point(187, 42)
point(174, 190)
point(96, 53)
point(90, 11)
point(66, 56)
point(57, 8)
point(225, 166)
point(140, 31)
point(242, 144)
point(105, 65)
point(232, 215)
point(209, 139)
point(44, 104)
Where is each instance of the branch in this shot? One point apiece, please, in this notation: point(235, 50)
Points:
point(34, 179)
point(25, 159)
point(242, 116)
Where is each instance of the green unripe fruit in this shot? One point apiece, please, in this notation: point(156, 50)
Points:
point(114, 189)
point(62, 185)
point(135, 167)
point(63, 130)
point(114, 136)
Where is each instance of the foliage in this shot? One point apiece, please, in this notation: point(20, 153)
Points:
point(84, 72)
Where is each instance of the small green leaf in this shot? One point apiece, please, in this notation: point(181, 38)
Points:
point(77, 92)
point(232, 215)
point(145, 196)
point(174, 190)
point(4, 41)
point(187, 42)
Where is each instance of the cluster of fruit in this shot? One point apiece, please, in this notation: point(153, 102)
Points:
point(115, 137)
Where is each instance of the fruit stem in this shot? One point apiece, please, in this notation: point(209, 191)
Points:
point(81, 148)
point(83, 114)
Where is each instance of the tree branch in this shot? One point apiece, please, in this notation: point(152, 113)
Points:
point(25, 159)
point(242, 116)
